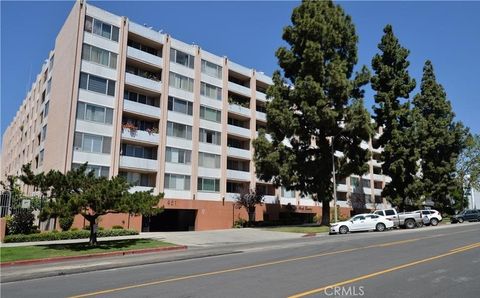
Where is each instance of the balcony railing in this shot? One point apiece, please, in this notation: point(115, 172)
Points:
point(237, 130)
point(130, 162)
point(238, 175)
point(140, 108)
point(144, 57)
point(237, 152)
point(239, 89)
point(142, 82)
point(141, 136)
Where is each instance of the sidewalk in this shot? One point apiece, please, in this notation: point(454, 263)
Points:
point(191, 239)
point(200, 244)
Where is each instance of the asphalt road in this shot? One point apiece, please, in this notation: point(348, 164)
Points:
point(427, 262)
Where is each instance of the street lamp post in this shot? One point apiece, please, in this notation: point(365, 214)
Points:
point(334, 184)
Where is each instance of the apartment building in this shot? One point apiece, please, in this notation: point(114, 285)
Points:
point(166, 115)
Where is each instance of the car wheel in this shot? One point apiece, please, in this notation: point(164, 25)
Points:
point(380, 227)
point(410, 224)
point(434, 221)
point(343, 230)
point(460, 220)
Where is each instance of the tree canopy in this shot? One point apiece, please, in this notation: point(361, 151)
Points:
point(317, 98)
point(81, 192)
point(392, 83)
point(440, 140)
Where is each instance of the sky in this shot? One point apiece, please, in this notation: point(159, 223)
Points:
point(248, 33)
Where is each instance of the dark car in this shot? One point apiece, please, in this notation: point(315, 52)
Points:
point(466, 215)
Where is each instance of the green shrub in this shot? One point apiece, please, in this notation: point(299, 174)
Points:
point(74, 229)
point(117, 227)
point(80, 234)
point(66, 223)
point(21, 222)
point(240, 223)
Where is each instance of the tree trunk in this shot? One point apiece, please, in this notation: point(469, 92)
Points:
point(93, 231)
point(251, 214)
point(325, 212)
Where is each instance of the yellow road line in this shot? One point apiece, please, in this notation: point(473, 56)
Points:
point(255, 266)
point(453, 251)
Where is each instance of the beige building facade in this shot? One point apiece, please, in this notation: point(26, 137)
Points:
point(164, 114)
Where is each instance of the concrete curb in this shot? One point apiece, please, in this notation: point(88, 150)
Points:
point(96, 255)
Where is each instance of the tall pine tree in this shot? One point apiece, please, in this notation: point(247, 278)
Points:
point(440, 140)
point(317, 99)
point(392, 83)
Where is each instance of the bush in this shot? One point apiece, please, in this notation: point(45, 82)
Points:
point(66, 223)
point(21, 222)
point(80, 234)
point(117, 228)
point(240, 223)
point(74, 229)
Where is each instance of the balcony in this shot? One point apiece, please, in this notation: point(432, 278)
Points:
point(141, 82)
point(245, 91)
point(238, 175)
point(261, 96)
point(144, 57)
point(237, 109)
point(141, 109)
point(141, 136)
point(237, 152)
point(136, 163)
point(239, 131)
point(140, 188)
point(261, 116)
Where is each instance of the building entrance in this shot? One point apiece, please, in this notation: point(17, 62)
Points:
point(170, 220)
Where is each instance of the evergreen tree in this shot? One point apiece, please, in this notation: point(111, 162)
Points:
point(317, 99)
point(440, 140)
point(392, 82)
point(81, 192)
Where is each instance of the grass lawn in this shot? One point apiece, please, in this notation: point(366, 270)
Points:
point(299, 229)
point(9, 254)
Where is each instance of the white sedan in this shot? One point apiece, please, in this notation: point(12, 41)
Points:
point(362, 222)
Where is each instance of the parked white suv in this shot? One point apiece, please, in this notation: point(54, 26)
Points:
point(430, 217)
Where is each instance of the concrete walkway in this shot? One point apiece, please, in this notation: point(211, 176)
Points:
point(191, 239)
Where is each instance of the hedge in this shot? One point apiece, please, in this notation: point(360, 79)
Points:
point(80, 234)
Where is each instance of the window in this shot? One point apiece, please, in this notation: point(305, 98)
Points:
point(46, 108)
point(91, 143)
point(177, 155)
point(100, 56)
point(97, 84)
point(377, 184)
point(210, 114)
point(389, 212)
point(177, 182)
point(211, 69)
point(208, 184)
point(43, 133)
point(359, 217)
point(208, 160)
point(49, 86)
point(181, 58)
point(354, 181)
point(139, 151)
point(100, 28)
point(180, 106)
point(40, 157)
point(365, 183)
point(378, 199)
point(179, 130)
point(99, 171)
point(94, 113)
point(288, 193)
point(50, 64)
point(210, 136)
point(210, 91)
point(181, 82)
point(140, 98)
point(138, 179)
